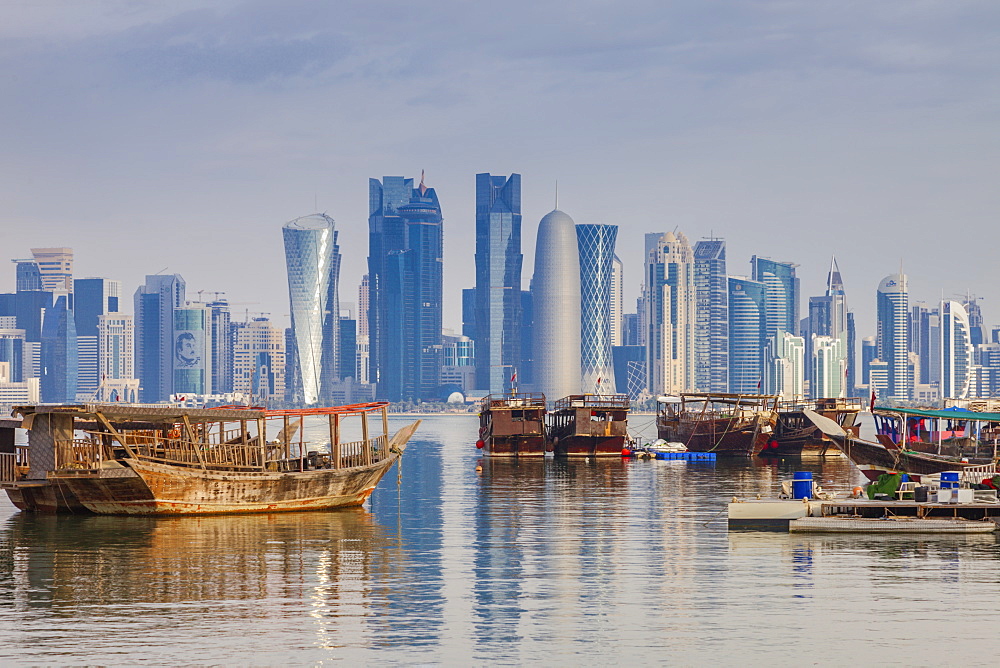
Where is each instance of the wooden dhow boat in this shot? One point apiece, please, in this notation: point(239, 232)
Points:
point(911, 441)
point(795, 434)
point(512, 425)
point(589, 425)
point(161, 460)
point(726, 424)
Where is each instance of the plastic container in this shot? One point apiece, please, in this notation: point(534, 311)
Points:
point(920, 494)
point(802, 485)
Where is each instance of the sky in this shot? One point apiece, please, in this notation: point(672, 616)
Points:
point(179, 137)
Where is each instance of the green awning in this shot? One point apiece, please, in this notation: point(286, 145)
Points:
point(950, 414)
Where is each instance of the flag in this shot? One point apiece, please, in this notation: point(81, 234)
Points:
point(871, 406)
point(513, 376)
point(758, 384)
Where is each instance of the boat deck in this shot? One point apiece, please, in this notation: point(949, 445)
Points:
point(776, 514)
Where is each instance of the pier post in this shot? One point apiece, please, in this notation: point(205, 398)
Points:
point(364, 437)
point(335, 438)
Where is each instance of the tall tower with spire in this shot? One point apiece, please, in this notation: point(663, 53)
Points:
point(827, 340)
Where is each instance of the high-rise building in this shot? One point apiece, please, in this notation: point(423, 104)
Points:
point(852, 354)
point(12, 351)
point(154, 305)
point(631, 331)
point(630, 370)
point(617, 300)
point(59, 354)
point(670, 314)
point(711, 330)
point(498, 281)
point(348, 348)
point(116, 358)
point(405, 280)
point(784, 359)
point(526, 369)
point(893, 335)
point(221, 344)
point(56, 268)
point(28, 277)
point(977, 330)
point(555, 289)
point(386, 238)
point(597, 261)
point(956, 351)
point(192, 349)
point(293, 379)
point(747, 334)
point(829, 367)
point(312, 259)
point(259, 361)
point(92, 298)
point(782, 293)
point(869, 353)
point(364, 345)
point(827, 318)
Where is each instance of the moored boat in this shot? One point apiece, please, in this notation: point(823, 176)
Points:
point(795, 434)
point(911, 441)
point(163, 460)
point(589, 425)
point(726, 424)
point(512, 425)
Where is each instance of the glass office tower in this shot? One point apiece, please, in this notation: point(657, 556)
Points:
point(59, 354)
point(711, 338)
point(747, 334)
point(312, 259)
point(893, 318)
point(498, 281)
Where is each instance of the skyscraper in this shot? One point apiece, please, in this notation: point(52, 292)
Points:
point(56, 267)
point(892, 315)
point(259, 361)
point(784, 359)
point(747, 334)
point(711, 329)
point(221, 344)
point(828, 317)
point(956, 351)
point(192, 349)
point(782, 293)
point(92, 298)
point(116, 357)
point(59, 354)
point(555, 289)
point(405, 226)
point(597, 286)
point(28, 277)
point(154, 305)
point(498, 280)
point(670, 313)
point(312, 259)
point(386, 238)
point(364, 347)
point(829, 367)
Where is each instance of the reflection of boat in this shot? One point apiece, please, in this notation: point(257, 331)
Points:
point(795, 434)
point(727, 424)
point(589, 425)
point(164, 460)
point(921, 442)
point(513, 425)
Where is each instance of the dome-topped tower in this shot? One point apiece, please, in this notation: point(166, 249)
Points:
point(555, 292)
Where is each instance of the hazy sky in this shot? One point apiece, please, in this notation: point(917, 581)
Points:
point(182, 135)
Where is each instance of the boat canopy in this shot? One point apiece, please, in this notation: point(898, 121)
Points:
point(946, 414)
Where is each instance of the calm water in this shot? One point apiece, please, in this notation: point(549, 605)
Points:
point(552, 562)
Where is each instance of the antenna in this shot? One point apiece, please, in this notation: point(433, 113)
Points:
point(557, 194)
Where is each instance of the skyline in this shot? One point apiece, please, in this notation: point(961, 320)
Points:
point(872, 126)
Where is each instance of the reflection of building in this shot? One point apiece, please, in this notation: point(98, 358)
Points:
point(498, 281)
point(597, 306)
point(312, 258)
point(154, 327)
point(555, 296)
point(893, 335)
point(192, 350)
point(259, 361)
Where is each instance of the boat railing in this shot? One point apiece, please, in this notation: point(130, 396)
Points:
point(976, 474)
point(514, 400)
point(594, 401)
point(89, 453)
point(8, 467)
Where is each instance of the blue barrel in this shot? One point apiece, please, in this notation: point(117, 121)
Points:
point(949, 480)
point(802, 485)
